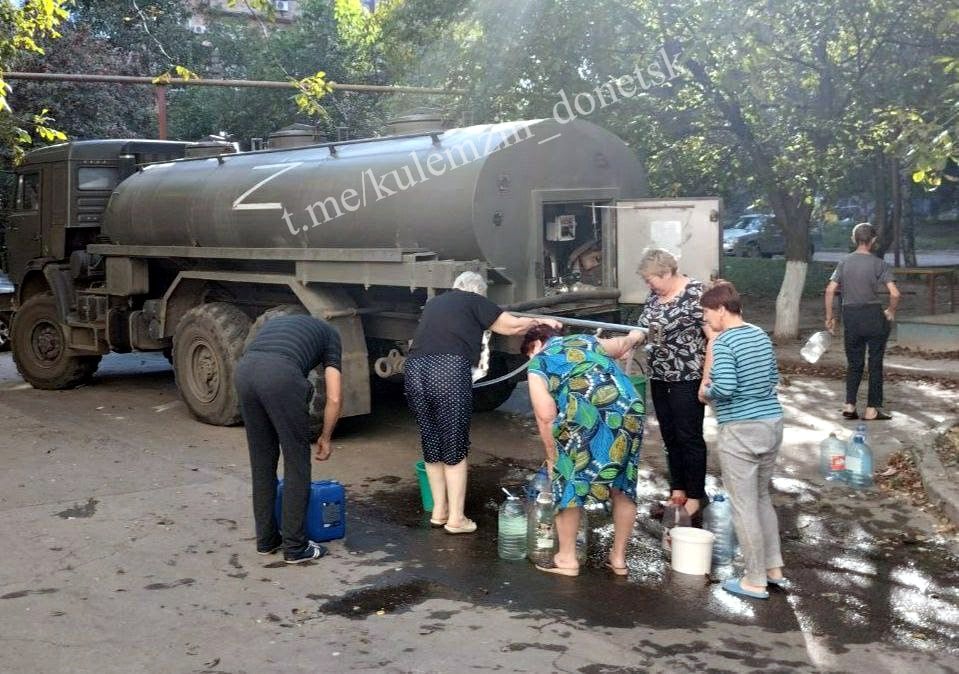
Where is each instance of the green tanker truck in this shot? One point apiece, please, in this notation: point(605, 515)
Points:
point(141, 245)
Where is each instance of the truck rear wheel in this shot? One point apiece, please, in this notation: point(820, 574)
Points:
point(207, 344)
point(488, 398)
point(40, 350)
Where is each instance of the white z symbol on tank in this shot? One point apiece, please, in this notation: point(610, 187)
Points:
point(238, 204)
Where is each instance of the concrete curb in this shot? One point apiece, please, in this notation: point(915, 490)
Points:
point(942, 491)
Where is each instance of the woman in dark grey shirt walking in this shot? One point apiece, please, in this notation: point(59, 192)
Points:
point(866, 325)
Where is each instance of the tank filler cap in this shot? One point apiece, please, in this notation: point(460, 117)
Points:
point(295, 135)
point(418, 120)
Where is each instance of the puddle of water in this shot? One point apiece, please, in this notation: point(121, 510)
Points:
point(79, 511)
point(359, 604)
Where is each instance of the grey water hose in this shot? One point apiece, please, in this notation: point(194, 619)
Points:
point(576, 322)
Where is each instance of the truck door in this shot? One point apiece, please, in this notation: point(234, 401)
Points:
point(687, 228)
point(23, 235)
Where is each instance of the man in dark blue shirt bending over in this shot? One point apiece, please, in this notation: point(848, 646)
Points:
point(275, 393)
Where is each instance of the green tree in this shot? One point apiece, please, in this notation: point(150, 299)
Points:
point(778, 96)
point(21, 28)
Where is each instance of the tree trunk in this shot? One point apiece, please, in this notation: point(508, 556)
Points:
point(787, 302)
point(908, 223)
point(793, 211)
point(890, 236)
point(880, 195)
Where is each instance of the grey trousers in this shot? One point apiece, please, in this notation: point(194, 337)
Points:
point(747, 455)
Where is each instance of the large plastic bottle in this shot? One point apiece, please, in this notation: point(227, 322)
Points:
point(511, 543)
point(832, 457)
point(675, 515)
point(538, 482)
point(817, 345)
point(858, 460)
point(540, 538)
point(718, 519)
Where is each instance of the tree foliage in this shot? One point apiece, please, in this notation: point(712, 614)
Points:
point(22, 29)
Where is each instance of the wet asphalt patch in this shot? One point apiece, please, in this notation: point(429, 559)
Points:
point(79, 511)
point(855, 579)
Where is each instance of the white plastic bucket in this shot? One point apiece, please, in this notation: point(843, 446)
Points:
point(692, 550)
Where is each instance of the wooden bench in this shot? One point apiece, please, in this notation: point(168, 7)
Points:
point(932, 274)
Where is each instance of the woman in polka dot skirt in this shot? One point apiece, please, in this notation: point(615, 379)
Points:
point(439, 387)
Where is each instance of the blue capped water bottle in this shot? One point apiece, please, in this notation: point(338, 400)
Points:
point(858, 460)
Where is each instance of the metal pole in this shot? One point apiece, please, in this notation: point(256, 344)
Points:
point(160, 94)
point(260, 84)
point(582, 323)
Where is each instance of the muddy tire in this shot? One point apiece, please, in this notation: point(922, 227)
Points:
point(39, 344)
point(274, 312)
point(488, 398)
point(207, 344)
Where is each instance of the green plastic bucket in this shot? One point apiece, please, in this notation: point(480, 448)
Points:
point(639, 382)
point(426, 495)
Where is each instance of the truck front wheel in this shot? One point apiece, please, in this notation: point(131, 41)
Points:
point(207, 344)
point(40, 349)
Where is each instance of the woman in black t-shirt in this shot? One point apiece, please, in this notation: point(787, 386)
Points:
point(439, 387)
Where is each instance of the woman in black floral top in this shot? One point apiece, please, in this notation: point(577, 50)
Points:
point(677, 353)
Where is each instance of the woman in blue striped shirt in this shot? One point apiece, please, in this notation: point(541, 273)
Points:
point(742, 387)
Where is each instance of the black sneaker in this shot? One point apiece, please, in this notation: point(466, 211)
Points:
point(270, 549)
point(311, 552)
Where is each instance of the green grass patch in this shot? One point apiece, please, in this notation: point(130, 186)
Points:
point(758, 277)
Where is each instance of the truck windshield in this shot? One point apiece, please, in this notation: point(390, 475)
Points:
point(97, 178)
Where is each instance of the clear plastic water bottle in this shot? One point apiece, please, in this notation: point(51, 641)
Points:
point(537, 483)
point(540, 538)
point(832, 458)
point(817, 345)
point(718, 519)
point(511, 542)
point(858, 461)
point(860, 431)
point(675, 515)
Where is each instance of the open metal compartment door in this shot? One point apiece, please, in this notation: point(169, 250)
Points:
point(689, 228)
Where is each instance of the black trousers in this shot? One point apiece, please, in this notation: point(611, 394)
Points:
point(864, 328)
point(274, 401)
point(680, 416)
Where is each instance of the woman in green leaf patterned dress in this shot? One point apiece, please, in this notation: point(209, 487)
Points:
point(590, 420)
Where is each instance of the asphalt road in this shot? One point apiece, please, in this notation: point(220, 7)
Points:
point(129, 548)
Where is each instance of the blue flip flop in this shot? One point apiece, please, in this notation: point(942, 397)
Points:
point(782, 583)
point(734, 586)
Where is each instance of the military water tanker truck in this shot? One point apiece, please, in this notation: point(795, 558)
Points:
point(138, 245)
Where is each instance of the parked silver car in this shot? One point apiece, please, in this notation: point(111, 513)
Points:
point(758, 235)
point(755, 235)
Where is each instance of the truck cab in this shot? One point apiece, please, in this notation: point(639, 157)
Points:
point(59, 195)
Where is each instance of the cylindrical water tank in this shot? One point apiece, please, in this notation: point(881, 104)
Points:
point(469, 193)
